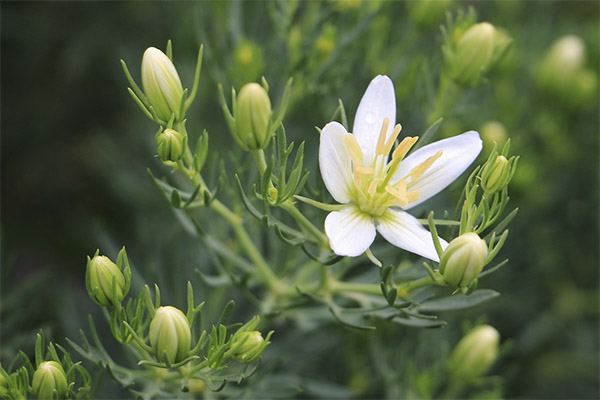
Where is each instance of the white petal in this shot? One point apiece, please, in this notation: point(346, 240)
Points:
point(350, 231)
point(458, 153)
point(335, 162)
point(403, 230)
point(378, 103)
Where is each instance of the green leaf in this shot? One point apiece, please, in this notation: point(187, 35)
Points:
point(458, 302)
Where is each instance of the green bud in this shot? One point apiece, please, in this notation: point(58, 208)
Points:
point(48, 377)
point(253, 117)
point(474, 354)
point(463, 259)
point(251, 348)
point(472, 54)
point(100, 273)
point(161, 83)
point(170, 334)
point(495, 175)
point(170, 145)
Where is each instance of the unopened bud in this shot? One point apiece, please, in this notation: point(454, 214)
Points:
point(463, 259)
point(48, 377)
point(251, 346)
point(161, 83)
point(170, 334)
point(495, 175)
point(252, 117)
point(100, 274)
point(170, 145)
point(473, 54)
point(474, 354)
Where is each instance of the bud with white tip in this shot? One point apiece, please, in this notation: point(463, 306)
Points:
point(161, 84)
point(170, 334)
point(463, 260)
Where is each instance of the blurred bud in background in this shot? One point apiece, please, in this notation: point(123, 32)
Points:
point(463, 260)
point(170, 334)
point(493, 132)
point(562, 72)
point(161, 84)
point(48, 377)
point(247, 63)
point(170, 145)
point(427, 14)
point(101, 272)
point(474, 354)
point(253, 117)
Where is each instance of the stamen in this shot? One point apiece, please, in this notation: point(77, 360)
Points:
point(354, 149)
point(405, 145)
point(364, 170)
point(382, 135)
point(373, 187)
point(392, 139)
point(419, 170)
point(413, 195)
point(401, 197)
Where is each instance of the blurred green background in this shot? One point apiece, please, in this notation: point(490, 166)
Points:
point(75, 150)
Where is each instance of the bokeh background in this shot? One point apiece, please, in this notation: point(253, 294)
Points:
point(75, 150)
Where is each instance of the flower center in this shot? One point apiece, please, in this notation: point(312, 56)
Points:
point(374, 190)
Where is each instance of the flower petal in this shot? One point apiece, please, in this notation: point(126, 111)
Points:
point(458, 153)
point(335, 162)
point(403, 230)
point(350, 231)
point(378, 103)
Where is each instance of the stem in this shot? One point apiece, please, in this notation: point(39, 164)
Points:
point(291, 209)
point(448, 92)
point(369, 288)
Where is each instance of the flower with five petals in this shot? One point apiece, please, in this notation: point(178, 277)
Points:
point(374, 188)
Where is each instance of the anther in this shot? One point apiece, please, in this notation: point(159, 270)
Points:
point(392, 139)
point(405, 145)
point(401, 197)
point(381, 139)
point(354, 149)
point(420, 169)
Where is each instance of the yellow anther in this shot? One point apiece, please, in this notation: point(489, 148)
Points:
point(413, 195)
point(405, 145)
point(381, 139)
point(354, 149)
point(392, 139)
point(373, 187)
point(420, 169)
point(364, 170)
point(401, 197)
point(401, 186)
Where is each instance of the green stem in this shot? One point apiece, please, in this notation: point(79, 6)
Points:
point(447, 95)
point(369, 288)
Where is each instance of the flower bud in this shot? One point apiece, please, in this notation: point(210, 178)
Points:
point(161, 83)
point(474, 354)
point(473, 54)
point(564, 59)
point(170, 145)
point(99, 280)
point(495, 175)
point(48, 377)
point(463, 259)
point(252, 117)
point(251, 348)
point(170, 334)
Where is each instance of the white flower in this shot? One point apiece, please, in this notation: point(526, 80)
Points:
point(357, 172)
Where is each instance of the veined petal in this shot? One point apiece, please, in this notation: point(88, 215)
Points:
point(350, 231)
point(378, 103)
point(403, 230)
point(335, 162)
point(458, 153)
